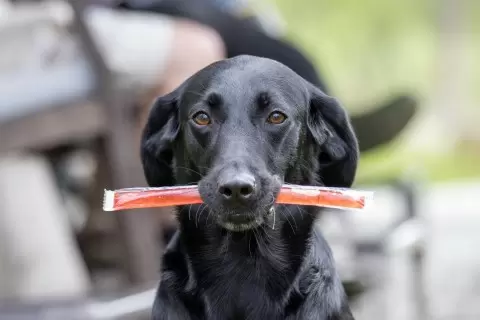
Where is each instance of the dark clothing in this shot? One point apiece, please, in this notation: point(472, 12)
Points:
point(240, 36)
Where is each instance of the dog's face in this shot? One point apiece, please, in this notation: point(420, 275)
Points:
point(242, 127)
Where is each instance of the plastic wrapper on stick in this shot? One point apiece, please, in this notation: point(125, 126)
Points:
point(137, 198)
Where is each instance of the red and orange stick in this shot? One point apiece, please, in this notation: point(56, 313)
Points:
point(136, 198)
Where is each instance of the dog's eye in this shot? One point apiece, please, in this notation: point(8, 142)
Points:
point(276, 117)
point(201, 118)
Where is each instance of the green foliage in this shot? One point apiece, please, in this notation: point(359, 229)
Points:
point(370, 49)
point(394, 161)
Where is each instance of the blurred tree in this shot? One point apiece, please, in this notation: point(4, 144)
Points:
point(455, 67)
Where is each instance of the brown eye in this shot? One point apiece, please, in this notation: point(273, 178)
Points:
point(201, 118)
point(276, 118)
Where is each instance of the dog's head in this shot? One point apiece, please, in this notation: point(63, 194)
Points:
point(242, 127)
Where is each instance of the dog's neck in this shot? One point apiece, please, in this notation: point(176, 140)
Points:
point(263, 252)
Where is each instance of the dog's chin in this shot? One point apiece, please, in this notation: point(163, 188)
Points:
point(241, 226)
point(244, 222)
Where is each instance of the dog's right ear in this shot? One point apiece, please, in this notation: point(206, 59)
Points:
point(160, 132)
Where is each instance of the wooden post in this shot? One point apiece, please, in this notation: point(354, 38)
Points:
point(142, 258)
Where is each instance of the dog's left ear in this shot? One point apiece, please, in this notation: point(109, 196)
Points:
point(330, 128)
point(160, 132)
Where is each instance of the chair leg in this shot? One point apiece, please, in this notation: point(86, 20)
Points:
point(139, 228)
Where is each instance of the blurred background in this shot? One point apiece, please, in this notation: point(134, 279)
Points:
point(77, 79)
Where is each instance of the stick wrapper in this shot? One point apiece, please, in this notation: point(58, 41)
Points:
point(138, 198)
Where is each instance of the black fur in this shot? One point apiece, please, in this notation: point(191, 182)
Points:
point(282, 268)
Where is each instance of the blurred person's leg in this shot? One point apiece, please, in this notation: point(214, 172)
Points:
point(153, 50)
point(240, 36)
point(194, 47)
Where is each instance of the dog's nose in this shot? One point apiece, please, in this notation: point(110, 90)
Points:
point(239, 187)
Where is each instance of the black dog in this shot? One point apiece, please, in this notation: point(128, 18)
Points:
point(240, 128)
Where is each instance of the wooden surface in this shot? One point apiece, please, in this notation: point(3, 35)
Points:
point(52, 127)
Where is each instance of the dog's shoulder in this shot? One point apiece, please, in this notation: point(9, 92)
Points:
point(174, 262)
point(319, 290)
point(319, 265)
point(177, 293)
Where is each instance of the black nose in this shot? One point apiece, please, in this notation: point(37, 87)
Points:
point(240, 187)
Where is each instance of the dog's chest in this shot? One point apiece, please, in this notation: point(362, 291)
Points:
point(241, 295)
point(246, 289)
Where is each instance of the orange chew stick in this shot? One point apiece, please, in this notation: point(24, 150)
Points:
point(136, 198)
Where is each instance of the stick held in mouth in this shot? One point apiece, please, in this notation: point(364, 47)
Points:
point(137, 198)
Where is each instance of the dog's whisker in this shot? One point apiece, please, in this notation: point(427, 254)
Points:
point(204, 206)
point(196, 217)
point(191, 170)
point(263, 246)
point(189, 209)
point(209, 213)
point(202, 167)
point(266, 232)
point(272, 211)
point(198, 213)
point(303, 211)
point(293, 216)
point(288, 220)
point(272, 202)
point(206, 219)
point(190, 183)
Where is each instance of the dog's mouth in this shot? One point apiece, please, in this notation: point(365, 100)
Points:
point(240, 212)
point(238, 222)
